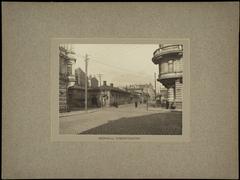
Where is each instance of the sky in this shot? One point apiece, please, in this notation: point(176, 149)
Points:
point(120, 64)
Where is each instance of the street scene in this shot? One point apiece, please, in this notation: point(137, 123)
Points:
point(120, 89)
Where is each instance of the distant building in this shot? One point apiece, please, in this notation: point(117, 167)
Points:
point(80, 77)
point(94, 82)
point(146, 92)
point(169, 58)
point(66, 76)
point(148, 89)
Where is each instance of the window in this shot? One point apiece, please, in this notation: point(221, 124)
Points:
point(69, 69)
point(176, 65)
point(164, 67)
point(181, 65)
point(62, 66)
point(170, 66)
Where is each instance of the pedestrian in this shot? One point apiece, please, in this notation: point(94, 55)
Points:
point(167, 104)
point(136, 104)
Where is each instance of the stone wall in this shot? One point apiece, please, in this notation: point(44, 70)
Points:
point(77, 98)
point(62, 94)
point(179, 93)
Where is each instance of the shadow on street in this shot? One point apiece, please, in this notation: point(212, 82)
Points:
point(167, 123)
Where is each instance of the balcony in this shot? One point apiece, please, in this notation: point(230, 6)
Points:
point(167, 51)
point(170, 75)
point(168, 79)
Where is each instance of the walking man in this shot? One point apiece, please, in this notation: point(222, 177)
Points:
point(136, 103)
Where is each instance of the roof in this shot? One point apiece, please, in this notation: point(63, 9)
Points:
point(108, 88)
point(167, 51)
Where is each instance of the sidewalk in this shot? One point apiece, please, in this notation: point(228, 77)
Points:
point(82, 111)
point(71, 113)
point(77, 112)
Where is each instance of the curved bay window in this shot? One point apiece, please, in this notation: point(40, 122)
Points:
point(164, 67)
point(169, 58)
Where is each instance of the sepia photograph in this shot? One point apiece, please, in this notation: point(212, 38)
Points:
point(121, 89)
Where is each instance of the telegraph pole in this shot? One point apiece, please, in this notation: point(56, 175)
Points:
point(100, 79)
point(147, 99)
point(86, 81)
point(155, 86)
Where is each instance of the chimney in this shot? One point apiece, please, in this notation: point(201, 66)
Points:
point(111, 84)
point(104, 83)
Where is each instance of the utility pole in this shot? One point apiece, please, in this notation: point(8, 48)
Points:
point(100, 80)
point(100, 84)
point(155, 86)
point(147, 99)
point(86, 81)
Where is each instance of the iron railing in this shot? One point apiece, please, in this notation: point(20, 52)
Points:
point(168, 49)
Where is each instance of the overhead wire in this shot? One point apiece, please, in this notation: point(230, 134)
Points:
point(120, 69)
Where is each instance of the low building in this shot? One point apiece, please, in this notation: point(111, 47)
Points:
point(77, 97)
point(104, 96)
point(113, 95)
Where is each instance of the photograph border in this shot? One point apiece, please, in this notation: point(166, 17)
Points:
point(54, 91)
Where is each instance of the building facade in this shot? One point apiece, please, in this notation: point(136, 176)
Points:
point(145, 92)
point(104, 96)
point(113, 95)
point(80, 77)
point(169, 58)
point(77, 97)
point(76, 93)
point(93, 82)
point(66, 76)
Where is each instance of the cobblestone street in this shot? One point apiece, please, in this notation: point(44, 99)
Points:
point(123, 120)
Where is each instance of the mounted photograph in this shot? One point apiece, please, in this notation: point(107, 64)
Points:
point(111, 90)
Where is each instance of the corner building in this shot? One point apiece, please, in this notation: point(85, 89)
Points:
point(169, 58)
point(66, 76)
